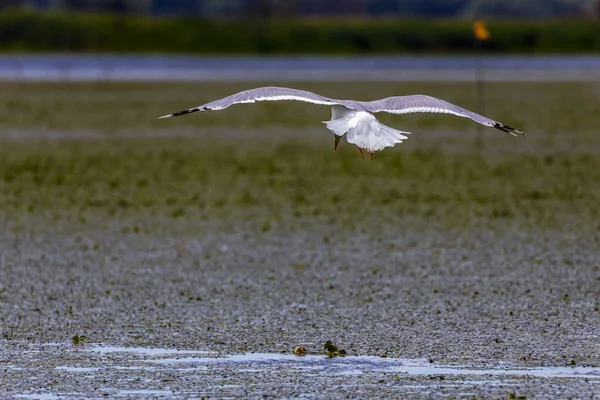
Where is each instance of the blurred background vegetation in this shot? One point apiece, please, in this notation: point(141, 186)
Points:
point(297, 26)
point(295, 8)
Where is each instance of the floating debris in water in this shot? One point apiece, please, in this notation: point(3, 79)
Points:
point(300, 350)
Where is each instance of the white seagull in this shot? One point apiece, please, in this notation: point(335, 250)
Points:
point(355, 119)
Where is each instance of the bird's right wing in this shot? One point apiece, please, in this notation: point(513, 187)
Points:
point(269, 93)
point(420, 103)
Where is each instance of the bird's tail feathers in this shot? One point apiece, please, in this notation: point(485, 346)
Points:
point(372, 135)
point(368, 133)
point(394, 133)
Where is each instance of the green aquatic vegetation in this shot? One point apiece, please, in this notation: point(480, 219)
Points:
point(330, 349)
point(78, 340)
point(516, 397)
point(472, 194)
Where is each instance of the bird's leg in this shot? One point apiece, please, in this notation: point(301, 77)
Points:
point(362, 153)
point(372, 153)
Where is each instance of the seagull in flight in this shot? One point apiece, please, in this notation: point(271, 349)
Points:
point(355, 119)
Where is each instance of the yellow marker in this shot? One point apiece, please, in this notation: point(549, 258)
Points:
point(481, 33)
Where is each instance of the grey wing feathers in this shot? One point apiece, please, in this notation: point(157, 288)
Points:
point(426, 104)
point(270, 93)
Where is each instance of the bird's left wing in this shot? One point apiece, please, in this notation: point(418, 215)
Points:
point(419, 103)
point(270, 93)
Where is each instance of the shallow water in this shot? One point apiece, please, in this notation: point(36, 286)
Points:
point(147, 351)
point(288, 68)
point(345, 365)
point(134, 371)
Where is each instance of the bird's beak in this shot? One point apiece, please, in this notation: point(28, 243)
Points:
point(336, 140)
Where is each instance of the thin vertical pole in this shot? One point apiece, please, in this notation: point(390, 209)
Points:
point(480, 89)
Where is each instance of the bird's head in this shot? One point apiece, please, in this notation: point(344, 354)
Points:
point(336, 140)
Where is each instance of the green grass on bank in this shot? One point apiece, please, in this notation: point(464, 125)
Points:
point(49, 32)
point(90, 153)
point(187, 178)
point(115, 107)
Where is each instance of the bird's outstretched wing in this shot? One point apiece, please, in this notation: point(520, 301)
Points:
point(269, 93)
point(419, 103)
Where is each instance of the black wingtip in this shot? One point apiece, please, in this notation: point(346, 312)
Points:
point(508, 129)
point(184, 112)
